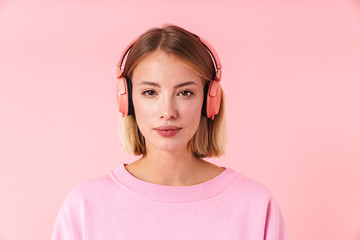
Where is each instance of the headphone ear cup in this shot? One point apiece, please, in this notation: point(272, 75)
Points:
point(123, 97)
point(213, 99)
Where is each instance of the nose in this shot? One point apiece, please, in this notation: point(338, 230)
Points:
point(168, 108)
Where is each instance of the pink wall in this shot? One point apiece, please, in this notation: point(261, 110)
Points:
point(291, 73)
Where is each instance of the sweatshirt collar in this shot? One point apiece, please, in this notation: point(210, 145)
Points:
point(168, 193)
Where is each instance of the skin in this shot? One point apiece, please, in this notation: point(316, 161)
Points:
point(168, 162)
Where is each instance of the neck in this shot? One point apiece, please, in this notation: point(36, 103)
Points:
point(175, 168)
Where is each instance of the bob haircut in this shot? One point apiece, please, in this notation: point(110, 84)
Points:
point(210, 138)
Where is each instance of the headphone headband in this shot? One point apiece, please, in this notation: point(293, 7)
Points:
point(214, 56)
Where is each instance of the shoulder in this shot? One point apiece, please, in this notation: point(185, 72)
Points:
point(249, 188)
point(256, 198)
point(90, 189)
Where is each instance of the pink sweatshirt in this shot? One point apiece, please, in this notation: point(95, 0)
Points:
point(121, 206)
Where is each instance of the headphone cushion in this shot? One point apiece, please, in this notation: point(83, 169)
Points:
point(131, 106)
point(203, 108)
point(124, 97)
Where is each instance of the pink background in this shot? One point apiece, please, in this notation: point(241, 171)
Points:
point(291, 73)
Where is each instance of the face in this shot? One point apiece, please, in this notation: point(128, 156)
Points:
point(166, 94)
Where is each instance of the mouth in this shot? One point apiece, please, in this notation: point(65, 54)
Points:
point(167, 128)
point(167, 131)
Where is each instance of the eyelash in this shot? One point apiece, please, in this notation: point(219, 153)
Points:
point(189, 93)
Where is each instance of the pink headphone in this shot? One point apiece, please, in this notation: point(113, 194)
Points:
point(212, 89)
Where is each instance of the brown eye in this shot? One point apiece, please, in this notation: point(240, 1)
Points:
point(149, 93)
point(186, 93)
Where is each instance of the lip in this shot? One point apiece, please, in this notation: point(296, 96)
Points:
point(162, 128)
point(167, 131)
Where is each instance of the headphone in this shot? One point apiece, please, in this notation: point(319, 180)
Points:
point(212, 89)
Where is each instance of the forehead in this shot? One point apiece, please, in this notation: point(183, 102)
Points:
point(160, 66)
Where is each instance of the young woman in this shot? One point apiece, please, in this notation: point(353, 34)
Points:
point(172, 115)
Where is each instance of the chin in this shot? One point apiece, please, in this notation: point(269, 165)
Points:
point(168, 145)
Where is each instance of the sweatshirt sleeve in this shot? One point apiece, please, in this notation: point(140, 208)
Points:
point(68, 223)
point(62, 230)
point(275, 228)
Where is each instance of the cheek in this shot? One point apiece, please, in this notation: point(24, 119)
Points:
point(192, 109)
point(141, 109)
point(191, 115)
point(142, 113)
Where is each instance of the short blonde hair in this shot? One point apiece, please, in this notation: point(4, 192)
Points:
point(210, 138)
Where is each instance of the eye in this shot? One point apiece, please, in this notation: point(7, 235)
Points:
point(149, 93)
point(186, 93)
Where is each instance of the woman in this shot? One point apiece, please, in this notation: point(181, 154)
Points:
point(172, 108)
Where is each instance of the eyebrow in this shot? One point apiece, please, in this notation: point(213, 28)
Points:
point(158, 85)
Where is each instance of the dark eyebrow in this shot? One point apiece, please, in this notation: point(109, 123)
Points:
point(158, 85)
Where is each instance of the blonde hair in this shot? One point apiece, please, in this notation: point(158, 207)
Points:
point(210, 138)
